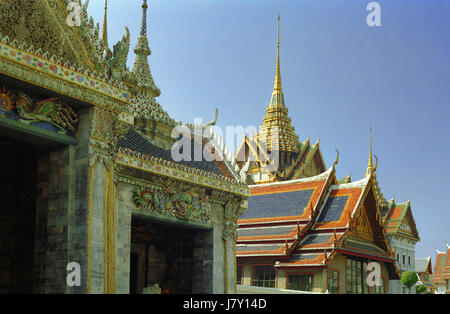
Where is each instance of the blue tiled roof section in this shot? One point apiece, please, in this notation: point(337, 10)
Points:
point(364, 247)
point(281, 230)
point(277, 204)
point(316, 238)
point(136, 142)
point(258, 248)
point(301, 257)
point(333, 208)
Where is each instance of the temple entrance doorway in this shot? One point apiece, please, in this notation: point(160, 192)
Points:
point(178, 258)
point(18, 178)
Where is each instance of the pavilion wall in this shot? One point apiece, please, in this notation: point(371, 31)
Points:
point(213, 257)
point(61, 213)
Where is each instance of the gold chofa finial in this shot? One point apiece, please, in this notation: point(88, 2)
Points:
point(277, 86)
point(337, 158)
point(105, 26)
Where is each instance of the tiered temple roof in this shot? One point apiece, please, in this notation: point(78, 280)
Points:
point(277, 140)
point(399, 220)
point(442, 267)
point(306, 222)
point(148, 142)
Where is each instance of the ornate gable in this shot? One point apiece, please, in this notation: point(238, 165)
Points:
point(362, 226)
point(408, 224)
point(35, 23)
point(43, 25)
point(400, 221)
point(367, 223)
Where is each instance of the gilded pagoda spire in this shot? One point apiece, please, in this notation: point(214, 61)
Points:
point(277, 86)
point(277, 129)
point(105, 26)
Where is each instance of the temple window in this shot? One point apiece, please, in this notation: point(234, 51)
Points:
point(333, 281)
point(380, 289)
point(263, 276)
point(301, 282)
point(356, 275)
point(239, 272)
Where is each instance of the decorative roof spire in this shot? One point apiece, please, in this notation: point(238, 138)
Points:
point(105, 26)
point(337, 158)
point(141, 69)
point(370, 163)
point(144, 104)
point(144, 19)
point(277, 129)
point(277, 85)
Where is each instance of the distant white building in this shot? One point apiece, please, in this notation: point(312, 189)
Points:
point(424, 270)
point(402, 235)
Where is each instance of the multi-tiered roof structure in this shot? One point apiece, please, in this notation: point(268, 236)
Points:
point(441, 278)
point(276, 153)
point(303, 221)
point(87, 155)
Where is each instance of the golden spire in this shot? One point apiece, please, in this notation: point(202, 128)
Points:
point(277, 130)
point(370, 164)
point(277, 86)
point(105, 26)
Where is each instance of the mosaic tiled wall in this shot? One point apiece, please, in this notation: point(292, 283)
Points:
point(62, 215)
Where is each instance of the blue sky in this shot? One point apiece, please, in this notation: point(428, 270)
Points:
point(339, 76)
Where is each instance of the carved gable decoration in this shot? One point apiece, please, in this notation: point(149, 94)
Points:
point(171, 202)
point(362, 227)
point(44, 27)
point(408, 225)
point(31, 22)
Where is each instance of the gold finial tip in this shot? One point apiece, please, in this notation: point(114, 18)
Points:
point(337, 158)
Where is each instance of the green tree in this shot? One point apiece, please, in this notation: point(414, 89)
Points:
point(421, 289)
point(408, 279)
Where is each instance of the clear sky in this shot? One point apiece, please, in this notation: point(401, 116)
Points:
point(339, 76)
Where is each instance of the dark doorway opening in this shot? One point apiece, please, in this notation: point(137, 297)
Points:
point(177, 258)
point(134, 264)
point(18, 178)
